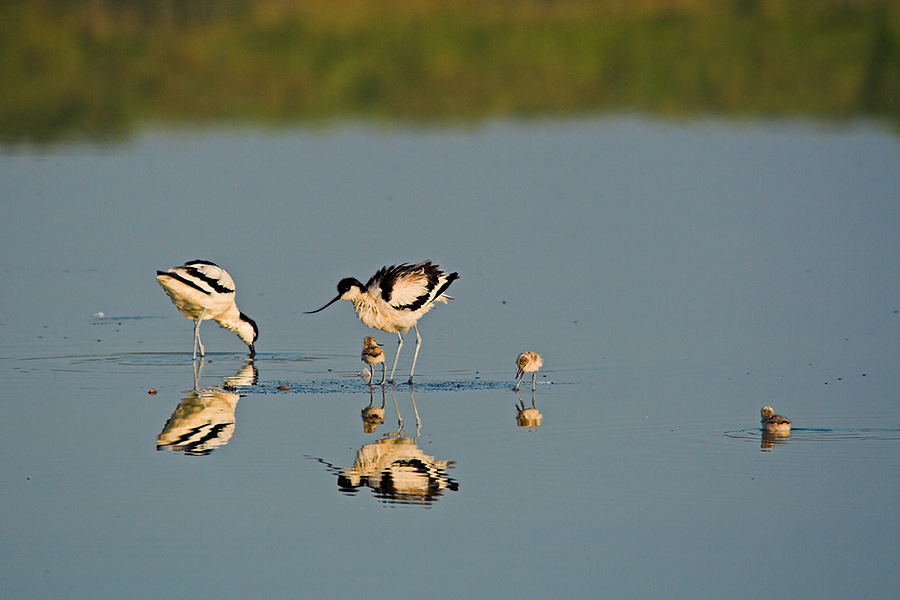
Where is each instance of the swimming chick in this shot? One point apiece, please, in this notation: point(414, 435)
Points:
point(773, 423)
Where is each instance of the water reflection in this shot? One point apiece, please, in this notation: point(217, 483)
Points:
point(373, 416)
point(527, 417)
point(204, 419)
point(396, 470)
point(248, 375)
point(770, 439)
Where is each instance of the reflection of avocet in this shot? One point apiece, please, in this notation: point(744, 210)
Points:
point(396, 469)
point(205, 419)
point(528, 362)
point(248, 375)
point(202, 290)
point(395, 298)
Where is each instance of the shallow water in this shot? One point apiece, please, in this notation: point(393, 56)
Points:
point(675, 277)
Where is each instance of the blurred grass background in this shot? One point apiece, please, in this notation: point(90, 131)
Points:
point(102, 69)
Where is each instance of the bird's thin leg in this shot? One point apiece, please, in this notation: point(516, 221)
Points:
point(394, 368)
point(520, 402)
point(415, 408)
point(197, 335)
point(371, 370)
point(198, 368)
point(383, 371)
point(533, 375)
point(397, 408)
point(518, 379)
point(416, 355)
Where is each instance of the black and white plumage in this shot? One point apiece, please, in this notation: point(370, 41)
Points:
point(772, 423)
point(202, 290)
point(395, 298)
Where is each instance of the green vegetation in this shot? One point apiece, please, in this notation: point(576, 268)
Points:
point(102, 68)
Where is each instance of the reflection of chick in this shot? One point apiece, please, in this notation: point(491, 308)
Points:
point(769, 440)
point(528, 362)
point(202, 421)
point(773, 423)
point(528, 417)
point(372, 416)
point(372, 354)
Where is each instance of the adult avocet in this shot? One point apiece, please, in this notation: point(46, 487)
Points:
point(395, 298)
point(528, 362)
point(772, 423)
point(372, 354)
point(202, 290)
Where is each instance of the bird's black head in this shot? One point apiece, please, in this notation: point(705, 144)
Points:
point(346, 285)
point(248, 332)
point(252, 325)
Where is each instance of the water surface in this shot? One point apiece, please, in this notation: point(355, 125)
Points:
point(675, 277)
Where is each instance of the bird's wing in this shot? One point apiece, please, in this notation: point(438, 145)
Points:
point(407, 287)
point(208, 275)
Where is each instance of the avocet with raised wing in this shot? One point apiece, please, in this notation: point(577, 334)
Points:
point(395, 298)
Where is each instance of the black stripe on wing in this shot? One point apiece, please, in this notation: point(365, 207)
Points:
point(184, 280)
point(212, 282)
point(384, 279)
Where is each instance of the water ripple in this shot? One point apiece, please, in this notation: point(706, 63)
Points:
point(334, 386)
point(802, 435)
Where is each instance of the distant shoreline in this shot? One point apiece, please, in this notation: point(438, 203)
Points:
point(105, 70)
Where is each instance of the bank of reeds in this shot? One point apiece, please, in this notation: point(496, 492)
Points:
point(102, 68)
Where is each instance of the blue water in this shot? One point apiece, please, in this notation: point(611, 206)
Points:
point(675, 278)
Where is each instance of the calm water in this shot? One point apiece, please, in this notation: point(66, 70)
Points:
point(675, 277)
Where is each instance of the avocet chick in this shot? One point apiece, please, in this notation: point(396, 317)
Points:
point(372, 354)
point(528, 362)
point(772, 423)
